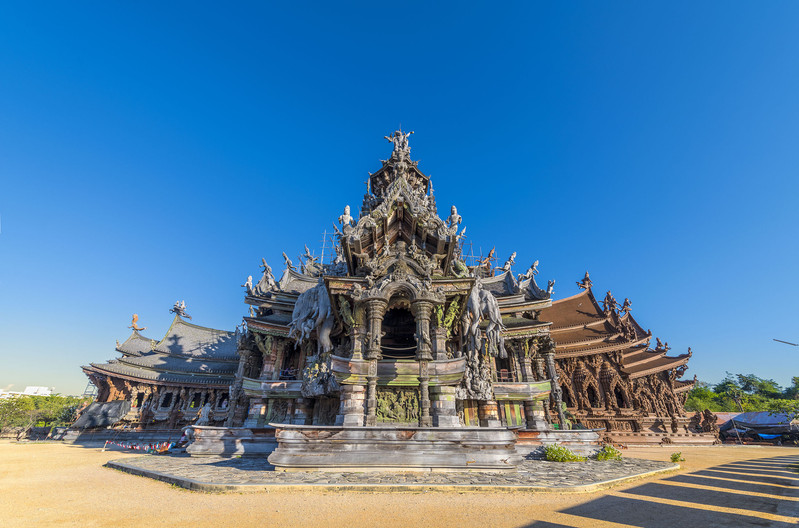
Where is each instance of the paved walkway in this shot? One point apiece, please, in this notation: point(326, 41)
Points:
point(255, 474)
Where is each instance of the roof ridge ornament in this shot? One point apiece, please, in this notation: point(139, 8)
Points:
point(135, 324)
point(179, 309)
point(586, 283)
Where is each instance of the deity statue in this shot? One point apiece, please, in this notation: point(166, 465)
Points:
point(585, 283)
point(400, 141)
point(510, 262)
point(454, 218)
point(135, 324)
point(550, 286)
point(346, 219)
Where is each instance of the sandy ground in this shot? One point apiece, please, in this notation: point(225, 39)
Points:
point(62, 485)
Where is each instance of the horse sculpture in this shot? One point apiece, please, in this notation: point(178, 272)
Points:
point(311, 312)
point(482, 304)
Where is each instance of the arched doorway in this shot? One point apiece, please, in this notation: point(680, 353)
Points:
point(399, 341)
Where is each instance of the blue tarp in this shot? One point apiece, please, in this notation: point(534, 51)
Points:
point(763, 422)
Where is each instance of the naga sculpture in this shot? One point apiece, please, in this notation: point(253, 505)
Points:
point(311, 312)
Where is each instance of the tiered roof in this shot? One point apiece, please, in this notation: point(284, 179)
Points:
point(580, 327)
point(188, 355)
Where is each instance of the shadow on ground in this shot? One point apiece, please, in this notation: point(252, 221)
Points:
point(760, 492)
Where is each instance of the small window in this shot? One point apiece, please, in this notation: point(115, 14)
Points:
point(167, 400)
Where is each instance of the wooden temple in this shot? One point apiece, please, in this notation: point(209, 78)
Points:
point(399, 331)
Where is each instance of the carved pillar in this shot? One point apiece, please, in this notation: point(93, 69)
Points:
point(353, 405)
point(421, 313)
point(440, 343)
point(526, 363)
point(358, 337)
point(371, 394)
point(424, 394)
point(488, 413)
point(376, 310)
point(302, 411)
point(548, 351)
point(279, 355)
point(539, 368)
point(443, 404)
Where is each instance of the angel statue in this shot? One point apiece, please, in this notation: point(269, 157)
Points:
point(135, 324)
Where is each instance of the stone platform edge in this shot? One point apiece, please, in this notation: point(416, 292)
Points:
point(210, 487)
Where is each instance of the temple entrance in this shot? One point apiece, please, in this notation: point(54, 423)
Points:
point(399, 342)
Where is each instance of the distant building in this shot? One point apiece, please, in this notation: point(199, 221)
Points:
point(29, 391)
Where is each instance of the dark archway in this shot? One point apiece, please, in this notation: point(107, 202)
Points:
point(565, 396)
point(593, 397)
point(621, 401)
point(399, 341)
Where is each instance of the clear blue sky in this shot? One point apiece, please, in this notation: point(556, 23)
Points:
point(152, 152)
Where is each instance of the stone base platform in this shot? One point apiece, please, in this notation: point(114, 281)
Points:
point(382, 448)
point(584, 442)
point(255, 474)
point(654, 438)
point(231, 441)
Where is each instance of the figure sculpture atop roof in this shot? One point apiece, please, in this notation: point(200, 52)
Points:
point(625, 308)
point(135, 324)
point(609, 303)
point(289, 263)
point(400, 141)
point(585, 283)
point(485, 263)
point(248, 285)
point(267, 282)
point(454, 218)
point(180, 309)
point(532, 271)
point(510, 262)
point(346, 219)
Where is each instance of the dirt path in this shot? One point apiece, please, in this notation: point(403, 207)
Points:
point(58, 485)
